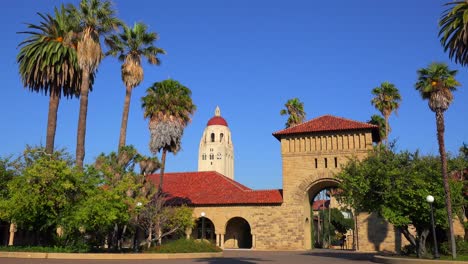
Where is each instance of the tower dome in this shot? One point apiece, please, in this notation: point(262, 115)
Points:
point(216, 152)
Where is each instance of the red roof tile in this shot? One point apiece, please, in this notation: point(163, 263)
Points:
point(217, 120)
point(327, 123)
point(212, 188)
point(320, 204)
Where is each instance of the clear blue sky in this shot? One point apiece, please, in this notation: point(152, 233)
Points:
point(248, 57)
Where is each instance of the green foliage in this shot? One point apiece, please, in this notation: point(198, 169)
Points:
point(461, 245)
point(395, 185)
point(178, 218)
point(185, 246)
point(37, 249)
point(453, 31)
point(295, 109)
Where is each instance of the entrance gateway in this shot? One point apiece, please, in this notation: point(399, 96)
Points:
point(236, 216)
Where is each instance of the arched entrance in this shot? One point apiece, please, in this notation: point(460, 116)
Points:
point(238, 234)
point(330, 225)
point(204, 229)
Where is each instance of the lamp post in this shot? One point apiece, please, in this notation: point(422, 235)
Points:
point(430, 200)
point(203, 225)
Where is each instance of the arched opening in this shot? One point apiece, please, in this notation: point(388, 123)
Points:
point(212, 137)
point(221, 136)
point(204, 229)
point(330, 224)
point(238, 234)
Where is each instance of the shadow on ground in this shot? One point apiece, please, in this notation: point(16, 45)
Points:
point(340, 254)
point(240, 260)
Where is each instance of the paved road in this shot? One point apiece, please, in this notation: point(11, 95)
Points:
point(230, 257)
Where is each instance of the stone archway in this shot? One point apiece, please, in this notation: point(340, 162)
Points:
point(238, 233)
point(313, 227)
point(206, 226)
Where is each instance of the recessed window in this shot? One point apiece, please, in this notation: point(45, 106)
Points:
point(316, 163)
point(212, 137)
point(204, 156)
point(326, 163)
point(221, 136)
point(336, 162)
point(211, 156)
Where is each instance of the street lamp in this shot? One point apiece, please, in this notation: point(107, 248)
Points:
point(430, 200)
point(203, 225)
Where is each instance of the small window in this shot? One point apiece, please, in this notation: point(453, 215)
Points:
point(211, 156)
point(326, 163)
point(336, 162)
point(316, 163)
point(221, 136)
point(212, 137)
point(204, 157)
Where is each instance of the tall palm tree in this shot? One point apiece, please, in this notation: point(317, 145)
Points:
point(169, 107)
point(96, 18)
point(386, 99)
point(130, 46)
point(48, 63)
point(435, 84)
point(454, 31)
point(380, 122)
point(295, 110)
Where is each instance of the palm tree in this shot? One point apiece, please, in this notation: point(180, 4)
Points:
point(435, 84)
point(48, 63)
point(130, 46)
point(96, 18)
point(169, 107)
point(380, 122)
point(387, 99)
point(295, 110)
point(454, 31)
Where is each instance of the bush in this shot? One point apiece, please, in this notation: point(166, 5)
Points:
point(36, 249)
point(462, 247)
point(185, 246)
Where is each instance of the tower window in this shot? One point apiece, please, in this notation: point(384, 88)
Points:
point(211, 156)
point(316, 163)
point(204, 156)
point(326, 163)
point(212, 137)
point(336, 162)
point(221, 136)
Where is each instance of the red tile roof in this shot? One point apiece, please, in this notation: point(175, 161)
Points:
point(320, 204)
point(327, 123)
point(212, 188)
point(217, 120)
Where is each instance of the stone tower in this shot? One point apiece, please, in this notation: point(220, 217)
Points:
point(216, 152)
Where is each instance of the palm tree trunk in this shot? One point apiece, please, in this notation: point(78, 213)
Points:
point(126, 110)
point(443, 158)
point(163, 165)
point(80, 140)
point(54, 101)
point(386, 131)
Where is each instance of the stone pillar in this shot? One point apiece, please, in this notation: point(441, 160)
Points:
point(188, 232)
point(217, 239)
point(221, 241)
point(12, 234)
point(253, 242)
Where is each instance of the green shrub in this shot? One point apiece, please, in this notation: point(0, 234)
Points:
point(185, 246)
point(462, 247)
point(36, 249)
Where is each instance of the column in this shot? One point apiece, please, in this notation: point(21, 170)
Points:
point(12, 234)
point(253, 241)
point(222, 241)
point(217, 239)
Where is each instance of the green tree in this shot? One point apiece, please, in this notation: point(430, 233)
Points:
point(387, 100)
point(295, 109)
point(380, 122)
point(130, 46)
point(453, 29)
point(96, 18)
point(435, 84)
point(395, 186)
point(168, 106)
point(48, 63)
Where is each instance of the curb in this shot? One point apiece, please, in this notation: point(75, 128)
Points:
point(110, 256)
point(393, 260)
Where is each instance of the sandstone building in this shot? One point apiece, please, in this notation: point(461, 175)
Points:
point(236, 216)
